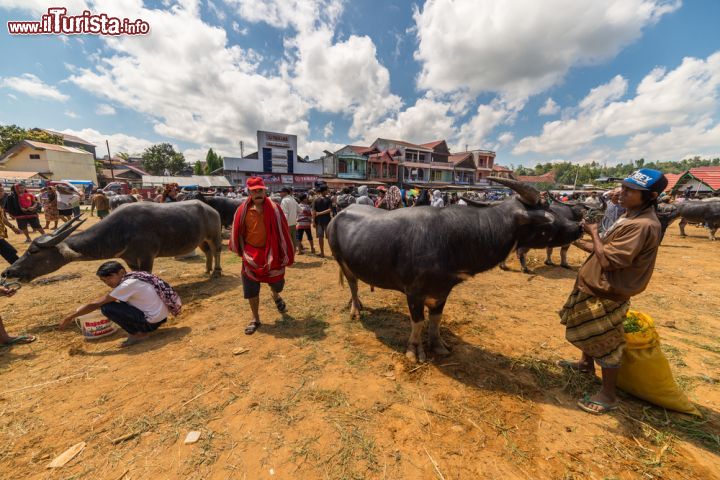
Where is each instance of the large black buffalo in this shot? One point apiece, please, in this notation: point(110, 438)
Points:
point(424, 251)
point(226, 207)
point(704, 213)
point(117, 200)
point(135, 232)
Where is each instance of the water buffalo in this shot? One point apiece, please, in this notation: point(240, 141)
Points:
point(704, 213)
point(135, 232)
point(117, 200)
point(226, 207)
point(424, 251)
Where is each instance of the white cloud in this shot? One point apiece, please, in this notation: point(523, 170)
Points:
point(236, 28)
point(32, 86)
point(217, 11)
point(71, 114)
point(105, 109)
point(687, 95)
point(328, 129)
point(524, 46)
point(682, 141)
point(41, 6)
point(119, 142)
point(190, 82)
point(500, 111)
point(505, 138)
point(303, 15)
point(11, 96)
point(549, 108)
point(429, 119)
point(314, 148)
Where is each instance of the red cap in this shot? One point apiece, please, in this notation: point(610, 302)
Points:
point(255, 183)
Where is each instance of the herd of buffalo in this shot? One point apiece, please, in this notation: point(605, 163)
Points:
point(422, 252)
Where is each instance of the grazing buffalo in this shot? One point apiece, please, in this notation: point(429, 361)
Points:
point(704, 213)
point(135, 232)
point(424, 251)
point(226, 207)
point(117, 200)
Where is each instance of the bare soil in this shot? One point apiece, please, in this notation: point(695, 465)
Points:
point(317, 395)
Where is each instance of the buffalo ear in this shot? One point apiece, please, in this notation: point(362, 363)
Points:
point(533, 217)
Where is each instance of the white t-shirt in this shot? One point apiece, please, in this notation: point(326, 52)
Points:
point(290, 207)
point(142, 296)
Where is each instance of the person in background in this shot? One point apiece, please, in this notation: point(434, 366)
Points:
point(393, 199)
point(304, 224)
point(321, 215)
point(100, 202)
point(619, 267)
point(593, 201)
point(363, 198)
point(135, 193)
point(23, 207)
point(260, 234)
point(158, 195)
point(291, 209)
point(139, 302)
point(380, 200)
point(345, 199)
point(423, 199)
point(170, 193)
point(5, 339)
point(437, 200)
point(613, 212)
point(7, 251)
point(50, 207)
point(65, 199)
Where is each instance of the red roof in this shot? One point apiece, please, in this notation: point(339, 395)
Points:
point(361, 150)
point(708, 175)
point(459, 157)
point(544, 178)
point(432, 145)
point(500, 168)
point(672, 180)
point(408, 144)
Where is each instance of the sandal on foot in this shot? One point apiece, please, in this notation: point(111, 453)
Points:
point(574, 366)
point(132, 341)
point(19, 340)
point(587, 405)
point(280, 304)
point(252, 328)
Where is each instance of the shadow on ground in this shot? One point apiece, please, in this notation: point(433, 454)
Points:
point(540, 380)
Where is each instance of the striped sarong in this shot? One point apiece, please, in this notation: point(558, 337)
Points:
point(595, 326)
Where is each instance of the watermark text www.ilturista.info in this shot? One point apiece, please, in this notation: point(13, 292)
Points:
point(58, 22)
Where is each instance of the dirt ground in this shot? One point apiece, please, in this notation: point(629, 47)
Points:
point(317, 395)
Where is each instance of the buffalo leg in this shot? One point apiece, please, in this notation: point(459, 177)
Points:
point(682, 224)
point(563, 256)
point(712, 233)
point(216, 249)
point(145, 264)
point(205, 247)
point(522, 257)
point(548, 256)
point(355, 305)
point(435, 318)
point(415, 351)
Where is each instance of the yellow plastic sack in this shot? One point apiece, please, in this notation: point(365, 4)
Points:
point(645, 372)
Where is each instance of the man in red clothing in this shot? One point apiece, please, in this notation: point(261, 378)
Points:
point(260, 234)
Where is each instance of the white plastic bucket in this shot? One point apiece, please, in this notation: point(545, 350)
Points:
point(94, 325)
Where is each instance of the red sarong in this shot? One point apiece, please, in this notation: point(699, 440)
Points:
point(265, 264)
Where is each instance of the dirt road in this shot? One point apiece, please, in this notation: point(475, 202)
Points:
point(319, 396)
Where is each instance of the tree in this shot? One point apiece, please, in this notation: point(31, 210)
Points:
point(11, 135)
point(124, 155)
point(198, 168)
point(162, 157)
point(212, 162)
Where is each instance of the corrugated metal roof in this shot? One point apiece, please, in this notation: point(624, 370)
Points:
point(57, 148)
point(204, 181)
point(672, 180)
point(18, 175)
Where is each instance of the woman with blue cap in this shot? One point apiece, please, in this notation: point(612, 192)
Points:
point(620, 266)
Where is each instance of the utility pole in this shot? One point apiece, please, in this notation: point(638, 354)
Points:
point(242, 155)
point(112, 171)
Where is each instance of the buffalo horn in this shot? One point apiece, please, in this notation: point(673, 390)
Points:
point(59, 235)
point(528, 194)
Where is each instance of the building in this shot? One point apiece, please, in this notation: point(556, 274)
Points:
point(276, 161)
point(8, 178)
point(203, 181)
point(73, 141)
point(465, 168)
point(701, 180)
point(545, 179)
point(503, 172)
point(55, 162)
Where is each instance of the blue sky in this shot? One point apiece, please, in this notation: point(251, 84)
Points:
point(577, 80)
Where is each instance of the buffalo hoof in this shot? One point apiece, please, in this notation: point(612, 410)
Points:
point(440, 348)
point(503, 267)
point(216, 274)
point(526, 270)
point(565, 265)
point(549, 263)
point(416, 353)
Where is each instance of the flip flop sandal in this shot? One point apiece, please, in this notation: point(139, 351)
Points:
point(280, 304)
point(132, 341)
point(19, 340)
point(574, 366)
point(585, 405)
point(252, 328)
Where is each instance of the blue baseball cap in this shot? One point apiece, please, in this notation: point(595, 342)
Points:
point(646, 179)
